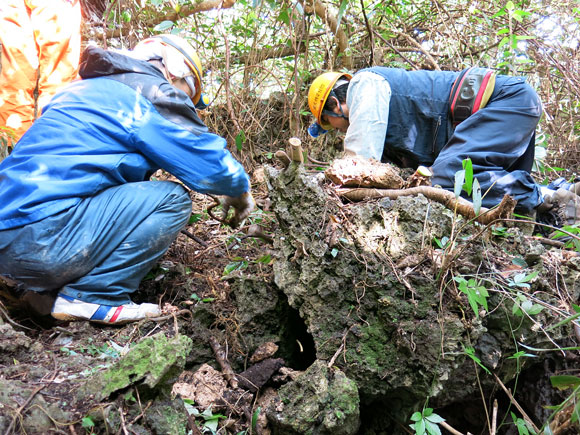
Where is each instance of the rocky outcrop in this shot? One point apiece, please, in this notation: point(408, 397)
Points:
point(387, 290)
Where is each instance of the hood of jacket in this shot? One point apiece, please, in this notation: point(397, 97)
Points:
point(96, 62)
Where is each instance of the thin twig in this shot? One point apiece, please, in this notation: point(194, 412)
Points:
point(494, 418)
point(9, 320)
point(450, 428)
point(517, 405)
point(195, 238)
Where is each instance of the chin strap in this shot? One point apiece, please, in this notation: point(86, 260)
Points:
point(330, 112)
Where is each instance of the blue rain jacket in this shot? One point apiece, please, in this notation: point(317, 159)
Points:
point(499, 139)
point(118, 125)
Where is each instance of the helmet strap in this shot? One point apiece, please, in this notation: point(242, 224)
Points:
point(334, 114)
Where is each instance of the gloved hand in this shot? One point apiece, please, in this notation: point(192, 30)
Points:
point(243, 206)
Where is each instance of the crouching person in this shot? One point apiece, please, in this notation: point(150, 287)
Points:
point(79, 215)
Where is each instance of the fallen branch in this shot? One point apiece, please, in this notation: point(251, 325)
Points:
point(465, 208)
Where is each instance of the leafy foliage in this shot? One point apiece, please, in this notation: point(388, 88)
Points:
point(426, 422)
point(476, 294)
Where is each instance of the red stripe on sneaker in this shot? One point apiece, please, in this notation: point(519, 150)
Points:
point(117, 313)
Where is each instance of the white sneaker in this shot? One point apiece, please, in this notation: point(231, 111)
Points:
point(67, 308)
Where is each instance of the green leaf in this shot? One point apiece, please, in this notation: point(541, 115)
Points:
point(416, 416)
point(520, 354)
point(284, 17)
point(503, 42)
point(195, 217)
point(211, 424)
point(562, 382)
point(163, 26)
point(334, 252)
point(529, 277)
point(470, 352)
point(255, 419)
point(87, 422)
point(420, 427)
point(468, 167)
point(576, 413)
point(435, 418)
point(341, 10)
point(240, 139)
point(432, 429)
point(126, 16)
point(265, 259)
point(235, 265)
point(521, 14)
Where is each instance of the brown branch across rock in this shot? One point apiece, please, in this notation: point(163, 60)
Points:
point(465, 208)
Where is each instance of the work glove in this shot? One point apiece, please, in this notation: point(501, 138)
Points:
point(243, 206)
point(563, 204)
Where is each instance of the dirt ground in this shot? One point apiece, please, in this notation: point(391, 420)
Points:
point(43, 355)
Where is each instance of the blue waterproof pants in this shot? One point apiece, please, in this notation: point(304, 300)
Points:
point(99, 250)
point(500, 140)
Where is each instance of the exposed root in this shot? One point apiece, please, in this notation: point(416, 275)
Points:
point(465, 208)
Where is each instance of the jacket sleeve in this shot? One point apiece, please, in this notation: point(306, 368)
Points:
point(182, 145)
point(368, 102)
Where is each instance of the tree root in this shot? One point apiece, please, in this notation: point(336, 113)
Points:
point(464, 207)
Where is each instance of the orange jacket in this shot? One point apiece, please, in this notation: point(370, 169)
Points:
point(40, 52)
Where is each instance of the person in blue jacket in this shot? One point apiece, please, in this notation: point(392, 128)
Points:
point(79, 216)
point(439, 118)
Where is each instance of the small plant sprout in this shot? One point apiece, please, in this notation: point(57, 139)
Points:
point(426, 422)
point(521, 279)
point(522, 304)
point(88, 424)
point(521, 425)
point(476, 294)
point(465, 181)
point(238, 263)
point(210, 420)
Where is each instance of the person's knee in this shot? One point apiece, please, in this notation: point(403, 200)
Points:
point(181, 199)
point(177, 201)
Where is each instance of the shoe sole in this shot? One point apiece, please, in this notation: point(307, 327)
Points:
point(70, 318)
